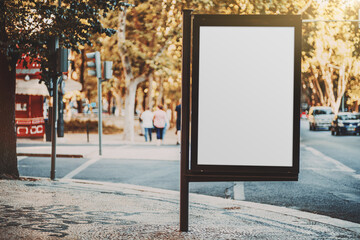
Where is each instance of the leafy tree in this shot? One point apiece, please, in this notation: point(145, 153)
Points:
point(149, 44)
point(329, 56)
point(330, 49)
point(26, 27)
point(145, 33)
point(353, 91)
point(148, 47)
point(149, 34)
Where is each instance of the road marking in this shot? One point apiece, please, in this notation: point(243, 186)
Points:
point(81, 168)
point(339, 166)
point(19, 159)
point(357, 176)
point(322, 169)
point(93, 160)
point(239, 191)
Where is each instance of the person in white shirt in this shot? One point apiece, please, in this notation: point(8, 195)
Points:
point(147, 118)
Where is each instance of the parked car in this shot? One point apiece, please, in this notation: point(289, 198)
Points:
point(320, 117)
point(346, 123)
point(304, 115)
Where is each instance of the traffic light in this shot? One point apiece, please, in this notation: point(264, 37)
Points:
point(62, 60)
point(108, 72)
point(96, 64)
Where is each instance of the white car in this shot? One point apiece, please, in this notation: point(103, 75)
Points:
point(320, 118)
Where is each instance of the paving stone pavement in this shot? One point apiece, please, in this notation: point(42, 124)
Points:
point(73, 209)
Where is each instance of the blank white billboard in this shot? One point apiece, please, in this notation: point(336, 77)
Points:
point(246, 96)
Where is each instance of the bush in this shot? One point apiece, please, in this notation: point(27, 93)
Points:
point(77, 126)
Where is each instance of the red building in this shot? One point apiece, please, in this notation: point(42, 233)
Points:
point(29, 112)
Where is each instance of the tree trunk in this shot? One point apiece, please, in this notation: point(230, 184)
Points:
point(150, 92)
point(315, 80)
point(129, 132)
point(130, 82)
point(307, 5)
point(109, 99)
point(82, 69)
point(129, 112)
point(118, 102)
point(8, 160)
point(335, 101)
point(160, 97)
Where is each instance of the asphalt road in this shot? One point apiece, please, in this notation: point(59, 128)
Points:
point(344, 148)
point(328, 181)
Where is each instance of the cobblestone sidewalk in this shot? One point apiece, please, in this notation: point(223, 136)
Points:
point(43, 209)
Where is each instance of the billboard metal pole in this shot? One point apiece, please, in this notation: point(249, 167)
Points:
point(185, 122)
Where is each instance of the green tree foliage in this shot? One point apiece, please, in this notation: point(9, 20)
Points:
point(26, 27)
point(29, 25)
point(145, 50)
point(149, 45)
point(330, 61)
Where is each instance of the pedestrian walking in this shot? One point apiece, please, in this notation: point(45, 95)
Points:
point(178, 122)
point(159, 123)
point(147, 123)
point(167, 123)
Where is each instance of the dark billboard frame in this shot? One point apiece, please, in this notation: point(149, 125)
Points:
point(261, 172)
point(191, 170)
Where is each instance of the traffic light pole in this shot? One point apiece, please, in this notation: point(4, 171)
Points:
point(60, 127)
point(100, 115)
point(107, 75)
point(96, 71)
point(54, 45)
point(54, 129)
